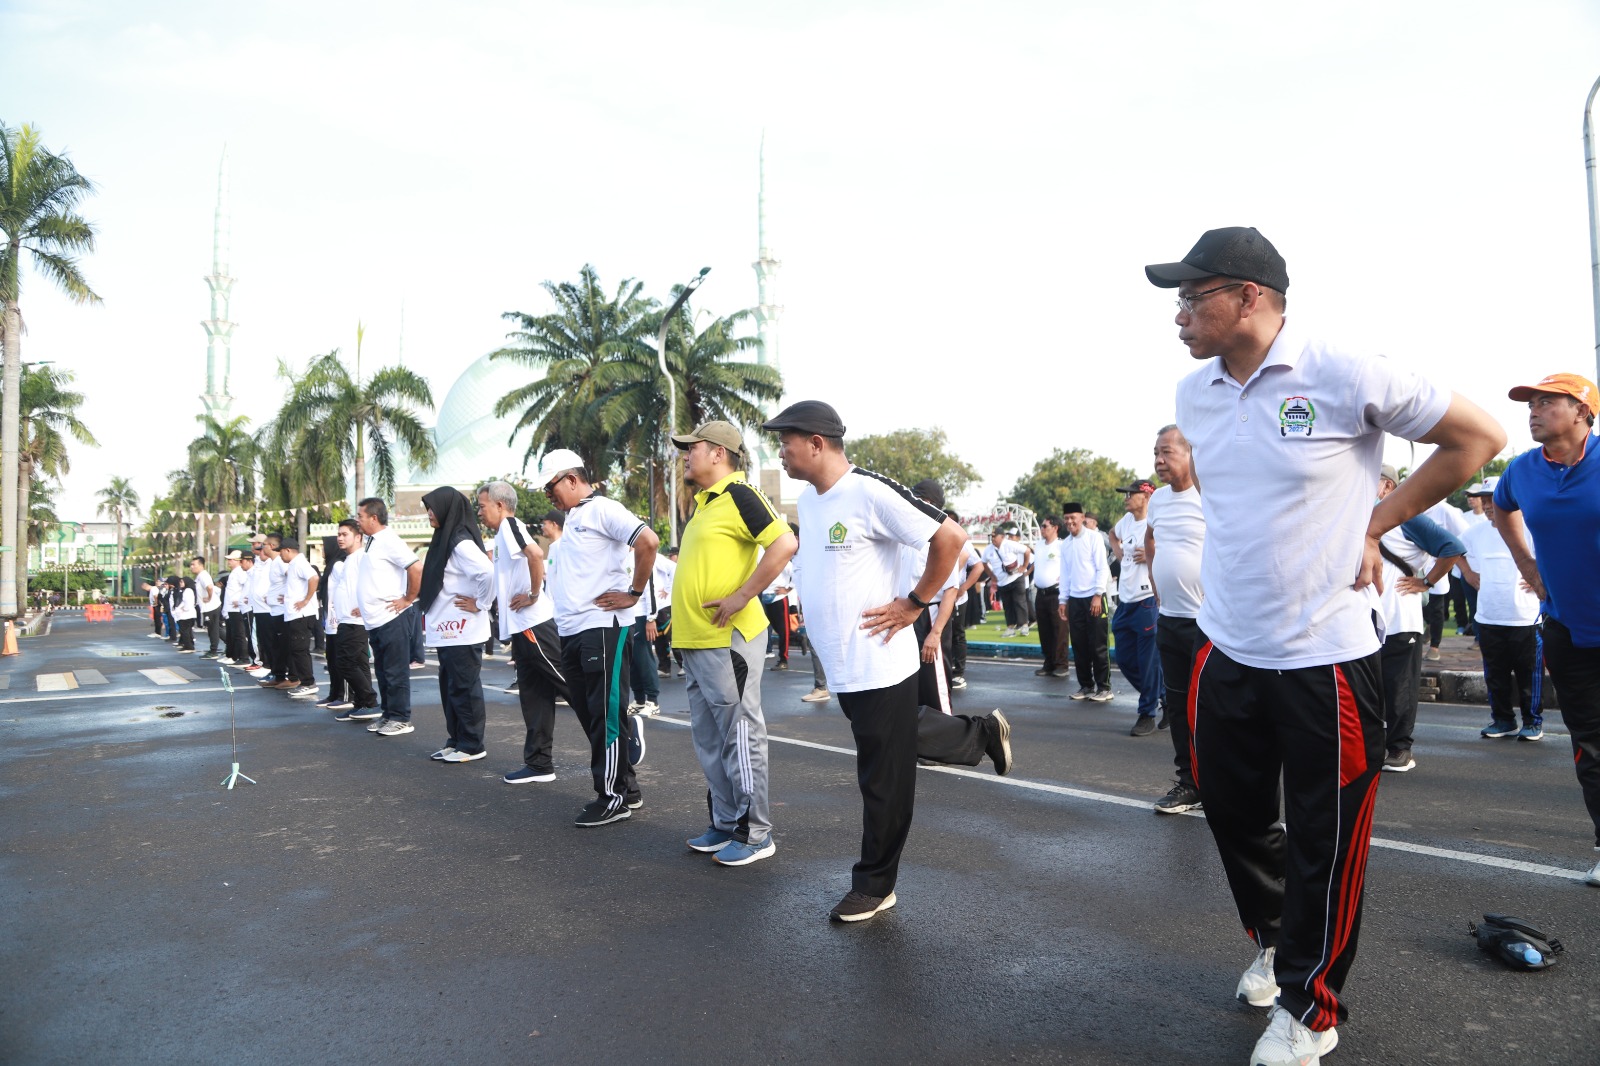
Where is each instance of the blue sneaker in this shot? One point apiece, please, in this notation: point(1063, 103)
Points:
point(1532, 732)
point(1497, 729)
point(742, 853)
point(711, 840)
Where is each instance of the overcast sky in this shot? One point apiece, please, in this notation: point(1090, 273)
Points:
point(962, 195)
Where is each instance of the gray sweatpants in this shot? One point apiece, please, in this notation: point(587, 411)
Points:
point(730, 735)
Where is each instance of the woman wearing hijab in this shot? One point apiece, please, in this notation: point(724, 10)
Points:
point(332, 554)
point(183, 611)
point(457, 588)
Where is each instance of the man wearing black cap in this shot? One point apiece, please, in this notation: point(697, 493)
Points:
point(854, 524)
point(1135, 622)
point(1287, 435)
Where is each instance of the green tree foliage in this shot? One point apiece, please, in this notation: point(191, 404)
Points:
point(909, 455)
point(1074, 474)
point(47, 414)
point(119, 501)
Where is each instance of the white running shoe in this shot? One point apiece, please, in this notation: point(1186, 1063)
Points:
point(1593, 876)
point(461, 756)
point(1288, 1043)
point(1258, 987)
point(648, 709)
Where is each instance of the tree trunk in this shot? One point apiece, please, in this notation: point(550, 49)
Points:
point(302, 528)
point(122, 574)
point(24, 482)
point(361, 469)
point(10, 414)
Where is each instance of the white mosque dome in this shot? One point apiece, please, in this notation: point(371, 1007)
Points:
point(469, 440)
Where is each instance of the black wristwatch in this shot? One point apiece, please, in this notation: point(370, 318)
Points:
point(920, 603)
point(635, 593)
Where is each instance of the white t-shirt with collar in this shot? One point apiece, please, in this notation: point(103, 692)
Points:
point(1009, 553)
point(1133, 579)
point(1179, 527)
point(1286, 465)
point(1085, 571)
point(850, 540)
point(1502, 601)
point(343, 607)
point(296, 584)
point(259, 581)
point(277, 574)
point(382, 578)
point(596, 558)
point(1046, 563)
point(511, 578)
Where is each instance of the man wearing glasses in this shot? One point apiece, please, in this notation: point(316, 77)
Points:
point(1287, 436)
point(607, 555)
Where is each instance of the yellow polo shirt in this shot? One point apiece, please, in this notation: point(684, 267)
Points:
point(720, 548)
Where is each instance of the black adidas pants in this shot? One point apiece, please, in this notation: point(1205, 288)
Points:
point(1576, 674)
point(1321, 728)
point(596, 661)
point(536, 653)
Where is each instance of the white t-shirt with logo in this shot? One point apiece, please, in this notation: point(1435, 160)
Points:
point(1009, 553)
point(1502, 601)
point(468, 572)
point(596, 558)
point(1046, 563)
point(511, 578)
point(1133, 579)
point(1287, 463)
point(296, 585)
point(1179, 528)
point(850, 540)
point(383, 577)
point(277, 575)
point(260, 579)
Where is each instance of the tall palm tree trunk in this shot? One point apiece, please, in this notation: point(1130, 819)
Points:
point(10, 415)
point(122, 574)
point(24, 480)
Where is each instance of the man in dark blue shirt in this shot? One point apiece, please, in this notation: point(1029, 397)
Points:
point(1553, 494)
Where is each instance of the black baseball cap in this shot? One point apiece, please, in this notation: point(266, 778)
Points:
point(807, 416)
point(1232, 252)
point(1144, 485)
point(930, 490)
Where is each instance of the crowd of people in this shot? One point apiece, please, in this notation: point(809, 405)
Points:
point(1278, 646)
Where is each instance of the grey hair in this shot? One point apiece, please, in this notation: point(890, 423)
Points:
point(1173, 428)
point(500, 492)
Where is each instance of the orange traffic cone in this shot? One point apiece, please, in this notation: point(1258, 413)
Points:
point(11, 640)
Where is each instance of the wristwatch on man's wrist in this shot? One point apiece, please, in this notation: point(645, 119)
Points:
point(920, 603)
point(635, 593)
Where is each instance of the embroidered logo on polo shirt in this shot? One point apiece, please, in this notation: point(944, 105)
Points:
point(1296, 414)
point(836, 533)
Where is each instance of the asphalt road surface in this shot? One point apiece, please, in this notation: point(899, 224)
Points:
point(363, 904)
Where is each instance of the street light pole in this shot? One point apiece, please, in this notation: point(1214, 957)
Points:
point(672, 396)
point(1594, 213)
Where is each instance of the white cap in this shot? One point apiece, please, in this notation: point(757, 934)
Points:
point(1485, 487)
point(557, 462)
point(1475, 489)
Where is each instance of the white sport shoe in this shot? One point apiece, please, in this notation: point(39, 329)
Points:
point(1288, 1043)
point(1258, 987)
point(1593, 876)
point(648, 709)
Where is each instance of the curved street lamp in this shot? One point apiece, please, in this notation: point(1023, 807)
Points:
point(672, 395)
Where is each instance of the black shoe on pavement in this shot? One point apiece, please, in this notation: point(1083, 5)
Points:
point(998, 746)
point(633, 801)
point(599, 813)
point(1060, 671)
point(1165, 722)
point(858, 906)
point(1179, 798)
point(1044, 671)
point(1399, 762)
point(1143, 726)
point(1082, 694)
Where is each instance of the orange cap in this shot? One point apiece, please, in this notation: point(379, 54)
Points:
point(1577, 386)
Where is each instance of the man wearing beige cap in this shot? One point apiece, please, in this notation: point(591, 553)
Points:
point(733, 547)
point(1553, 495)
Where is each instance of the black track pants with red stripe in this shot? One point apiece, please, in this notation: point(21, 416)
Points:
point(1322, 728)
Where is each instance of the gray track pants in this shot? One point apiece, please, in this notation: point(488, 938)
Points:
point(730, 735)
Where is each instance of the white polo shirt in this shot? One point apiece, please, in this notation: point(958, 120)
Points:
point(1133, 579)
point(1009, 553)
point(1046, 563)
point(343, 608)
point(260, 574)
point(596, 558)
point(850, 540)
point(203, 592)
point(511, 578)
point(1179, 527)
point(1084, 569)
point(277, 574)
point(296, 584)
point(382, 578)
point(1287, 463)
point(1402, 611)
point(1502, 601)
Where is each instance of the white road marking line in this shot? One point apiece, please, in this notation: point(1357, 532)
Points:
point(55, 682)
point(1123, 801)
point(94, 696)
point(162, 676)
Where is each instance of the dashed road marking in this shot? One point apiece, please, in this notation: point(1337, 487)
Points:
point(162, 676)
point(55, 682)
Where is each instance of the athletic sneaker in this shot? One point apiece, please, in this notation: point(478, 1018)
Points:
point(599, 813)
point(347, 713)
point(303, 692)
point(1593, 876)
point(364, 714)
point(1259, 987)
point(326, 703)
point(419, 666)
point(1044, 671)
point(958, 682)
point(1531, 732)
point(998, 746)
point(1288, 1043)
point(527, 775)
point(341, 705)
point(1102, 695)
point(743, 853)
point(633, 800)
point(1432, 655)
point(1179, 798)
point(636, 744)
point(1143, 726)
point(712, 839)
point(819, 695)
point(439, 755)
point(1497, 729)
point(1060, 671)
point(1165, 722)
point(393, 727)
point(462, 756)
point(1399, 762)
point(647, 709)
point(1082, 694)
point(209, 655)
point(858, 906)
point(377, 725)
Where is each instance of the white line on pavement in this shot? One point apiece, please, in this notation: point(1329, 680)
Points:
point(1123, 801)
point(102, 695)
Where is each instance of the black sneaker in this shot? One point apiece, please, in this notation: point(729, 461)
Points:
point(634, 730)
point(1082, 694)
point(599, 813)
point(1165, 721)
point(633, 801)
point(1399, 762)
point(858, 906)
point(998, 747)
point(1179, 798)
point(1143, 726)
point(1044, 671)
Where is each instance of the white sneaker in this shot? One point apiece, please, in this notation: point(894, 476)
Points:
point(461, 756)
point(1258, 987)
point(377, 724)
point(1593, 876)
point(648, 709)
point(816, 695)
point(439, 756)
point(393, 727)
point(1288, 1043)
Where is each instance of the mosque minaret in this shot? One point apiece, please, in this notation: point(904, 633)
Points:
point(218, 328)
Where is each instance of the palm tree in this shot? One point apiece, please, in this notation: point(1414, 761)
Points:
point(330, 417)
point(574, 346)
point(44, 411)
point(119, 500)
point(222, 469)
point(39, 194)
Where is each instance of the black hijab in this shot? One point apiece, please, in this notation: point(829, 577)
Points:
point(456, 524)
point(331, 553)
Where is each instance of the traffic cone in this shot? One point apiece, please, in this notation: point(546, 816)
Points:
point(11, 639)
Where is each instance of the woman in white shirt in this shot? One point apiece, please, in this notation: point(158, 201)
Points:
point(457, 589)
point(183, 611)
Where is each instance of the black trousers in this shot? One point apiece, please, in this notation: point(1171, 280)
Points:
point(155, 617)
point(778, 622)
point(1433, 613)
point(266, 650)
point(536, 653)
point(297, 649)
point(1298, 885)
point(237, 630)
point(1176, 640)
point(213, 624)
point(1089, 642)
point(1014, 602)
point(186, 634)
point(1054, 638)
point(664, 640)
point(1575, 672)
point(1464, 602)
point(596, 661)
point(1513, 671)
point(958, 638)
point(281, 653)
point(461, 695)
point(347, 661)
point(1401, 660)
